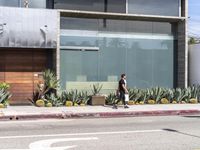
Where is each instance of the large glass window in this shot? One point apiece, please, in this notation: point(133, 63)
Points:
point(118, 6)
point(37, 3)
point(142, 50)
point(21, 3)
point(88, 5)
point(154, 7)
point(83, 66)
point(10, 3)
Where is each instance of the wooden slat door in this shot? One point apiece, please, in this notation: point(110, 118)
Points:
point(19, 74)
point(21, 70)
point(2, 66)
point(40, 61)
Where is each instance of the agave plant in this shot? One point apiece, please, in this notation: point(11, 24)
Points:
point(135, 94)
point(74, 97)
point(4, 86)
point(179, 94)
point(4, 93)
point(195, 91)
point(96, 88)
point(54, 100)
point(51, 83)
point(191, 92)
point(84, 97)
point(4, 96)
point(157, 94)
point(198, 92)
point(63, 96)
point(169, 94)
point(111, 98)
point(143, 95)
point(188, 94)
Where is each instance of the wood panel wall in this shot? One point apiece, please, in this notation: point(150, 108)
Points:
point(21, 68)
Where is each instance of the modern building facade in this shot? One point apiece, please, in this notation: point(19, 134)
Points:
point(93, 40)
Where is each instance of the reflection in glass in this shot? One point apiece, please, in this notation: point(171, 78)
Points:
point(21, 3)
point(78, 65)
point(154, 7)
point(87, 5)
point(145, 52)
point(10, 3)
point(117, 6)
point(37, 3)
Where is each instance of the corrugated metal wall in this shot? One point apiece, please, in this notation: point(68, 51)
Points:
point(29, 28)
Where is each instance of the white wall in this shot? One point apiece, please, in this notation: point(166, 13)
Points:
point(194, 64)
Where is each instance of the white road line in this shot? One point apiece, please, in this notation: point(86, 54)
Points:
point(77, 134)
point(36, 121)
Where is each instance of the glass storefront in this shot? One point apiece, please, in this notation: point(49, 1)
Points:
point(101, 49)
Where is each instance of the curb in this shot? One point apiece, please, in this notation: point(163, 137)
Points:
point(67, 115)
point(33, 116)
point(133, 114)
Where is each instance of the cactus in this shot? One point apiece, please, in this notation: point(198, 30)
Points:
point(151, 101)
point(40, 103)
point(164, 101)
point(49, 104)
point(131, 102)
point(193, 101)
point(2, 105)
point(68, 103)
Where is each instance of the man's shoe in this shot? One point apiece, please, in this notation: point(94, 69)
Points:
point(115, 107)
point(126, 106)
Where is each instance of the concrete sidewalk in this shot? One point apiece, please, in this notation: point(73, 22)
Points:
point(32, 112)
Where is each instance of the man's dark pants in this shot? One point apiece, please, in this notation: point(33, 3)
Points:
point(120, 97)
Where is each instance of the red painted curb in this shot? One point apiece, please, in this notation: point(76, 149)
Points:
point(133, 114)
point(66, 115)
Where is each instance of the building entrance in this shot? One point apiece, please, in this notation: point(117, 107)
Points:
point(22, 68)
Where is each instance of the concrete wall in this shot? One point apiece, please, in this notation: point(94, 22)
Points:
point(182, 52)
point(194, 69)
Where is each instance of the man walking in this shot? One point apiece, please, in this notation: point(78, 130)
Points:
point(122, 90)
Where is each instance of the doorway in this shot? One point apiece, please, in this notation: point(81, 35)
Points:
point(22, 69)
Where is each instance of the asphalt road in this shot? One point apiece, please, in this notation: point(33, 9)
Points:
point(140, 133)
